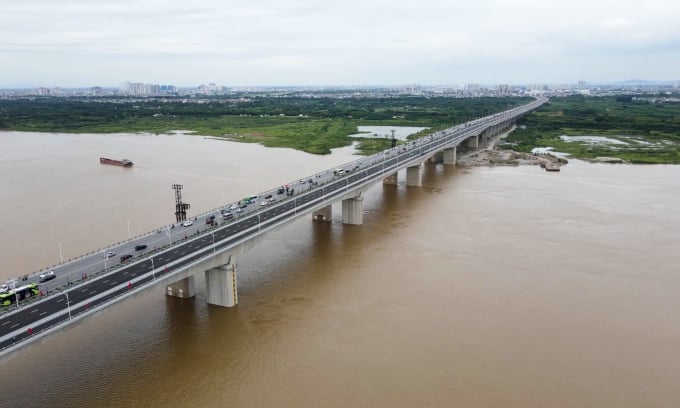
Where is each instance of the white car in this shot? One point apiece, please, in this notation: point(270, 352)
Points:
point(110, 254)
point(233, 207)
point(187, 223)
point(44, 277)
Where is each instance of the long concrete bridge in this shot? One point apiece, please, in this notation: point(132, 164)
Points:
point(172, 259)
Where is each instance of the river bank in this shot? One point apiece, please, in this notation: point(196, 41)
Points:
point(489, 155)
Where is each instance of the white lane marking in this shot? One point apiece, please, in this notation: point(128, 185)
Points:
point(43, 313)
point(14, 326)
point(105, 281)
point(93, 292)
point(6, 322)
point(61, 299)
point(34, 310)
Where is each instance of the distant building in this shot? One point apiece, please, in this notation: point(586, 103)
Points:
point(503, 89)
point(43, 91)
point(96, 91)
point(581, 85)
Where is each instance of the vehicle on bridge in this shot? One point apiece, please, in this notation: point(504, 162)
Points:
point(19, 294)
point(140, 247)
point(45, 276)
point(187, 223)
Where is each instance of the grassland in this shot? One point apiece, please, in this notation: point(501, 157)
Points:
point(314, 125)
point(643, 131)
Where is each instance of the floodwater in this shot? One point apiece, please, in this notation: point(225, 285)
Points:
point(487, 287)
point(400, 132)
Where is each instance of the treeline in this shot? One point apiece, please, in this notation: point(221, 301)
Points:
point(312, 124)
point(651, 130)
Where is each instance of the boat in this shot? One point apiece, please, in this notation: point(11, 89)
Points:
point(123, 163)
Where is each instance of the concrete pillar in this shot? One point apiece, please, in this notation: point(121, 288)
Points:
point(184, 288)
point(220, 283)
point(450, 156)
point(473, 142)
point(391, 179)
point(353, 211)
point(414, 176)
point(323, 214)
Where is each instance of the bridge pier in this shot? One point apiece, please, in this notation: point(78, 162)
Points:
point(323, 214)
point(221, 286)
point(414, 176)
point(450, 156)
point(184, 288)
point(473, 142)
point(391, 179)
point(353, 211)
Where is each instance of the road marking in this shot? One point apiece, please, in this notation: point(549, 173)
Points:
point(84, 290)
point(105, 281)
point(34, 310)
point(43, 313)
point(61, 299)
point(6, 322)
point(14, 326)
point(93, 292)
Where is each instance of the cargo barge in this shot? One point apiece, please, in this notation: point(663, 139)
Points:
point(122, 163)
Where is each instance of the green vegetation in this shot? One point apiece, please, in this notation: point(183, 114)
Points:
point(313, 125)
point(649, 132)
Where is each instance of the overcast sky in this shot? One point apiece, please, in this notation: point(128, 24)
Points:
point(346, 42)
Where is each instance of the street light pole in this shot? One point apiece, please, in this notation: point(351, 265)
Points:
point(129, 236)
point(153, 270)
point(68, 305)
point(167, 231)
point(213, 235)
point(105, 258)
point(61, 255)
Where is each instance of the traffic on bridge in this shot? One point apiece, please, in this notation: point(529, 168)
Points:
point(47, 301)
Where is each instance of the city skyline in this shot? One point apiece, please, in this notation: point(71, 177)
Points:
point(99, 43)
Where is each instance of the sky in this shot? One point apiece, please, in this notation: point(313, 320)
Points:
point(82, 43)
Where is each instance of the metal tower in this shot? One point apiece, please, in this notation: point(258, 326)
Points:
point(180, 207)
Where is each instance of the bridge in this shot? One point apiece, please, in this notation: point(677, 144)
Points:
point(172, 256)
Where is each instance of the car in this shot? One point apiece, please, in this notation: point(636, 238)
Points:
point(238, 210)
point(280, 191)
point(140, 247)
point(227, 215)
point(268, 196)
point(244, 205)
point(272, 199)
point(125, 257)
point(233, 207)
point(187, 223)
point(303, 181)
point(110, 254)
point(263, 203)
point(45, 276)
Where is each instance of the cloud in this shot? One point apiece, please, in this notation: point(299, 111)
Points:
point(355, 41)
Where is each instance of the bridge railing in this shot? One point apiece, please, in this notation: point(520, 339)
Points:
point(148, 254)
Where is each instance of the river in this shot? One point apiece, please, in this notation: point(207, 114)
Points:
point(501, 286)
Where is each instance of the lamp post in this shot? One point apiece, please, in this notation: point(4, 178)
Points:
point(68, 305)
point(213, 235)
point(129, 236)
point(105, 259)
point(61, 255)
point(167, 231)
point(153, 270)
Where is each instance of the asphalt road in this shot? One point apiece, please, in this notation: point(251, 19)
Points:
point(60, 306)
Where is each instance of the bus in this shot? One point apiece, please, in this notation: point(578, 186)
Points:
point(19, 294)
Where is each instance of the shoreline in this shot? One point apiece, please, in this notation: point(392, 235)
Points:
point(489, 155)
